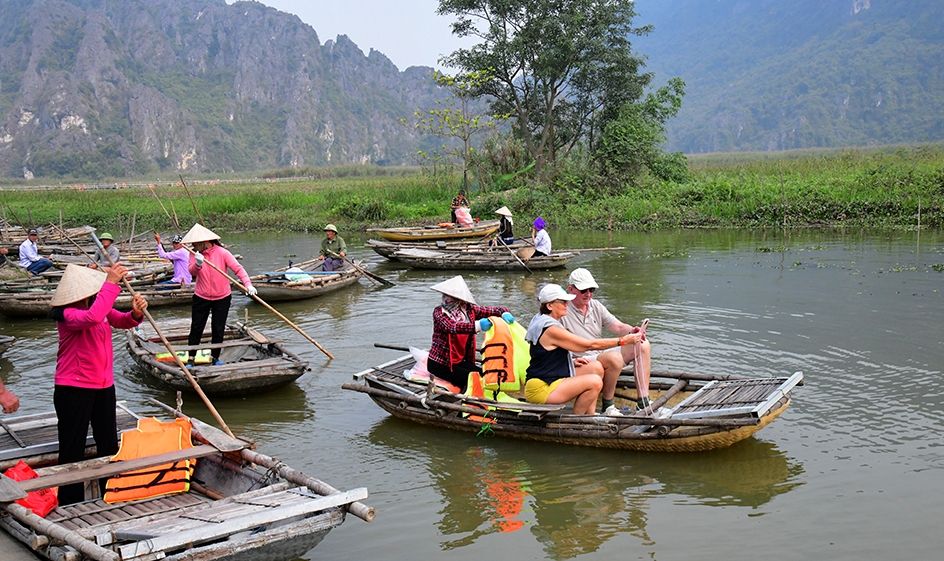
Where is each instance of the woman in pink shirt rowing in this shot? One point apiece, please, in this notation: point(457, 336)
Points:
point(85, 382)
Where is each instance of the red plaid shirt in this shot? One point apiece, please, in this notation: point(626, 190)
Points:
point(444, 326)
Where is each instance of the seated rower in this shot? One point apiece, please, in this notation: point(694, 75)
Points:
point(100, 260)
point(333, 249)
point(540, 238)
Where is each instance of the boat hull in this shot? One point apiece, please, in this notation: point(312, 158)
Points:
point(36, 305)
point(276, 292)
point(494, 261)
point(421, 233)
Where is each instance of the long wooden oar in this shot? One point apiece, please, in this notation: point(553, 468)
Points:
point(515, 255)
point(167, 345)
point(169, 217)
point(370, 275)
point(266, 305)
point(184, 183)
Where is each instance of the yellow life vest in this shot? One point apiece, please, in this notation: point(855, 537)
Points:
point(505, 358)
point(152, 437)
point(203, 356)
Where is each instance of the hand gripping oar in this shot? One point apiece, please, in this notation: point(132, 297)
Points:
point(265, 305)
point(169, 347)
point(377, 278)
point(639, 371)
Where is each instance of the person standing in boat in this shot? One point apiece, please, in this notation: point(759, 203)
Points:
point(506, 223)
point(588, 318)
point(455, 323)
point(30, 259)
point(211, 293)
point(179, 256)
point(540, 237)
point(333, 249)
point(102, 260)
point(84, 394)
point(554, 376)
point(458, 201)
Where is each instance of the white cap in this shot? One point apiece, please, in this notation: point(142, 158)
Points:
point(552, 292)
point(455, 287)
point(199, 233)
point(77, 283)
point(581, 279)
point(504, 211)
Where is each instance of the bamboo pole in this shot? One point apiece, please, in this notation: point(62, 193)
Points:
point(266, 305)
point(187, 189)
point(87, 547)
point(174, 210)
point(153, 192)
point(134, 220)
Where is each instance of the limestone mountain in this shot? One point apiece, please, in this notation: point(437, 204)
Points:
point(778, 74)
point(96, 88)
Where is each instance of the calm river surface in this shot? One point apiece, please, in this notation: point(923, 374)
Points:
point(853, 470)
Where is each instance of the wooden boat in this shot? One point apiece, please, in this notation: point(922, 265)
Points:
point(693, 412)
point(252, 361)
point(491, 261)
point(34, 303)
point(241, 504)
point(275, 286)
point(432, 233)
point(6, 342)
point(387, 249)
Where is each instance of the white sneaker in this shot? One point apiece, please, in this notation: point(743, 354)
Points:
point(613, 411)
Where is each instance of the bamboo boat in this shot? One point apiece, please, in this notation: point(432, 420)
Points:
point(490, 261)
point(6, 342)
point(252, 362)
point(693, 412)
point(432, 233)
point(275, 287)
point(34, 303)
point(387, 249)
point(241, 504)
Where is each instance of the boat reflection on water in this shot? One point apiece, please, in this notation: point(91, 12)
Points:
point(573, 500)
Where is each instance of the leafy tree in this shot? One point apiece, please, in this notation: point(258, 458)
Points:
point(560, 68)
point(458, 122)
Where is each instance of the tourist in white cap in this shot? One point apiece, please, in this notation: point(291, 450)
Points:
point(333, 249)
point(554, 376)
point(85, 381)
point(587, 317)
point(211, 291)
point(455, 323)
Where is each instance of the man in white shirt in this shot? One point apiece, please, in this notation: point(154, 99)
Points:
point(587, 318)
point(29, 255)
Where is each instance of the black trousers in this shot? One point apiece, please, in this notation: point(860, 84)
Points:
point(198, 320)
point(458, 376)
point(76, 408)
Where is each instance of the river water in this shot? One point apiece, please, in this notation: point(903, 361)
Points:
point(853, 470)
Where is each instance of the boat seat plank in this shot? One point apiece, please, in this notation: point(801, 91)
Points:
point(264, 515)
point(242, 365)
point(160, 348)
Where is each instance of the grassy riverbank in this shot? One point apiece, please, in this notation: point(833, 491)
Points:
point(855, 188)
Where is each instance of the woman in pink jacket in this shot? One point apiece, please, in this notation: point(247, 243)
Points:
point(85, 382)
point(211, 293)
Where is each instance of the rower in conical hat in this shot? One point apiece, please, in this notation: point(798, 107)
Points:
point(85, 382)
point(505, 226)
point(100, 259)
point(455, 322)
point(211, 293)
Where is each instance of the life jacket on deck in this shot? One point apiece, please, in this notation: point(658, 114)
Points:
point(505, 358)
point(152, 437)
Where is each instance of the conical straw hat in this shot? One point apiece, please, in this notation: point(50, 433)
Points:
point(455, 287)
point(199, 233)
point(77, 283)
point(504, 211)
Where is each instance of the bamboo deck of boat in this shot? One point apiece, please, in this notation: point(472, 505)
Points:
point(430, 233)
point(698, 416)
point(276, 288)
point(497, 260)
point(252, 362)
point(387, 249)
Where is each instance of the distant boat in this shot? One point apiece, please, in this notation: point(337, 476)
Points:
point(500, 259)
point(281, 285)
point(251, 361)
point(34, 302)
point(241, 504)
point(387, 248)
point(429, 233)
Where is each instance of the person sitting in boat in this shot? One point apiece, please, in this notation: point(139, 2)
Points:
point(458, 201)
point(100, 259)
point(180, 257)
point(506, 234)
point(540, 237)
point(554, 376)
point(211, 293)
point(588, 318)
point(455, 323)
point(29, 255)
point(333, 249)
point(85, 382)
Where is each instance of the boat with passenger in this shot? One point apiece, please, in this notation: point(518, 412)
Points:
point(304, 280)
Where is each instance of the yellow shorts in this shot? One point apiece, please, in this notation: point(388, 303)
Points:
point(537, 391)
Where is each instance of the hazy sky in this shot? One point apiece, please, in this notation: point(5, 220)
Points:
point(408, 31)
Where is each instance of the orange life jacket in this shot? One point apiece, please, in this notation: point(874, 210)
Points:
point(505, 358)
point(152, 437)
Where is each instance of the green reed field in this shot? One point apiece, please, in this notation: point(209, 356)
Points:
point(879, 187)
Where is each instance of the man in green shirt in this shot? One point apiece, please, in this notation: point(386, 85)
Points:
point(333, 249)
